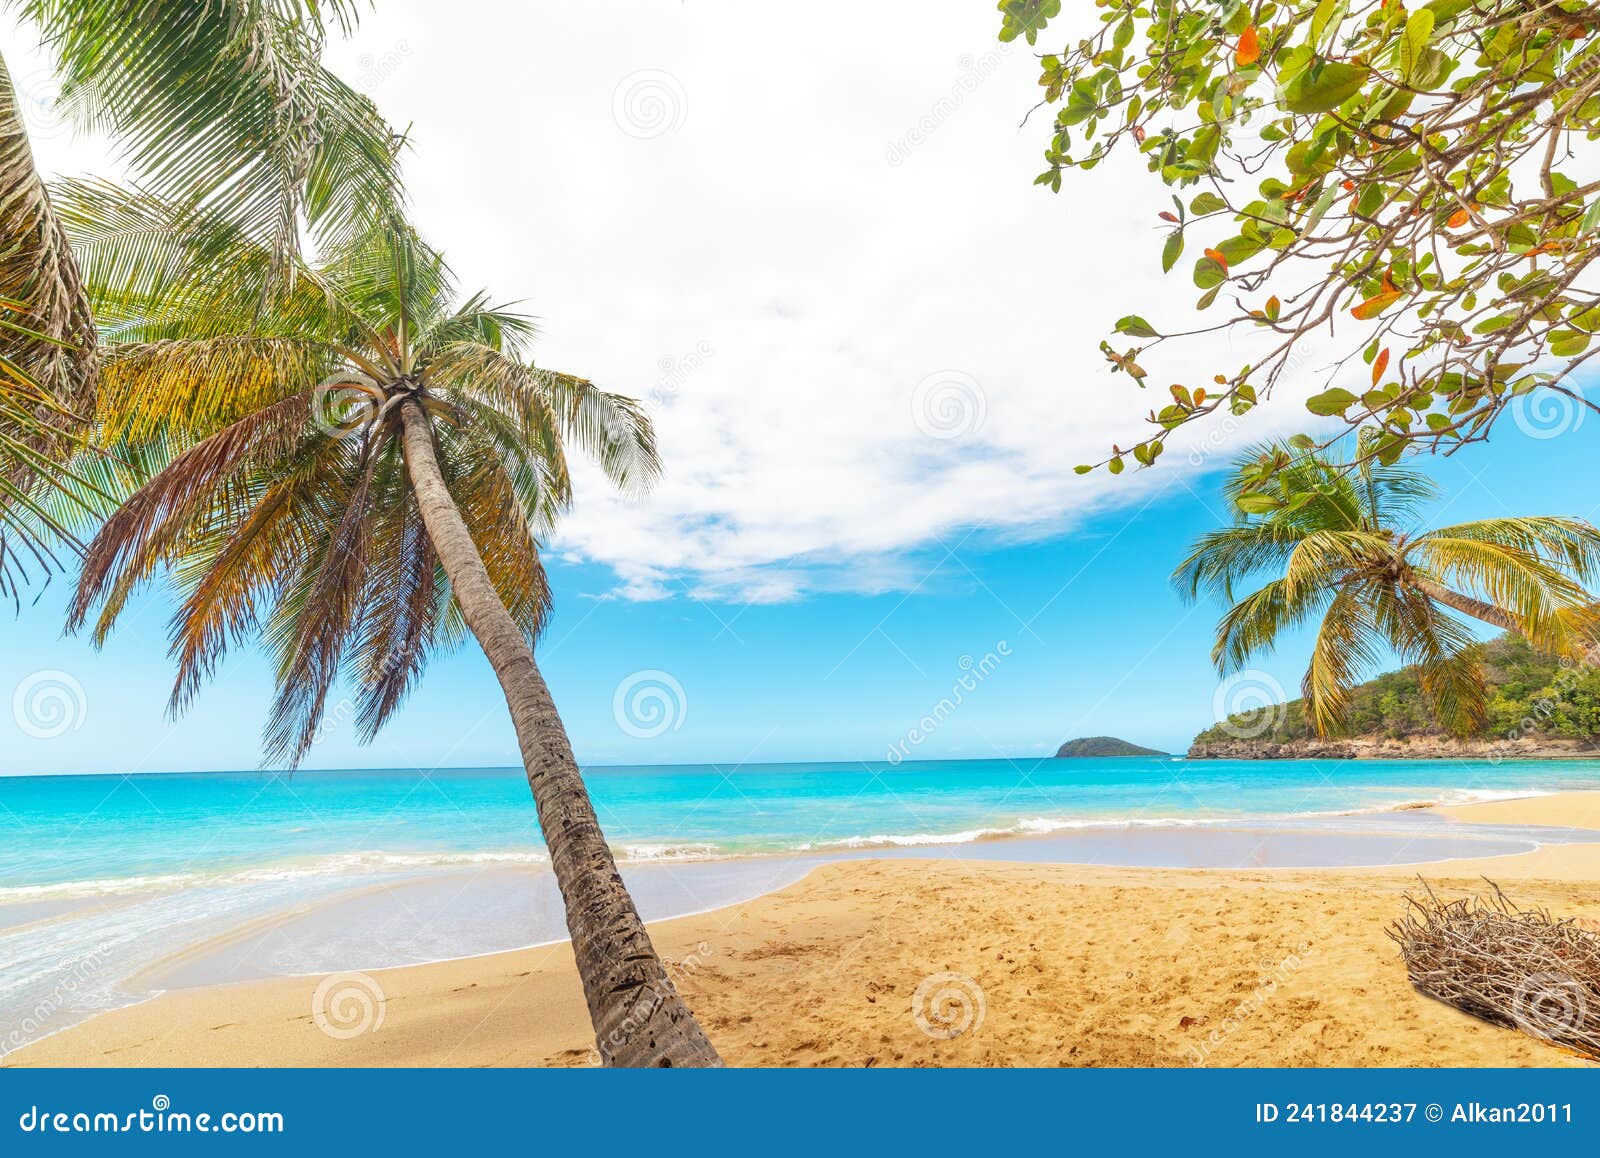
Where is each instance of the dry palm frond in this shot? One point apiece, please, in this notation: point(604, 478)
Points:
point(1515, 967)
point(47, 359)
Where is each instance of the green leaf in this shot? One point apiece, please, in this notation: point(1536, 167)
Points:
point(1591, 218)
point(1331, 402)
point(1082, 469)
point(1324, 203)
point(1238, 250)
point(1207, 202)
point(1172, 250)
point(1135, 326)
point(1208, 272)
point(1569, 343)
point(1419, 28)
point(1324, 86)
point(1258, 504)
point(1329, 12)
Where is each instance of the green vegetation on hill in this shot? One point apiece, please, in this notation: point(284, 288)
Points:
point(1530, 695)
point(1103, 746)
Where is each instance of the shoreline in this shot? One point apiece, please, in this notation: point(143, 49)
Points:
point(63, 895)
point(744, 957)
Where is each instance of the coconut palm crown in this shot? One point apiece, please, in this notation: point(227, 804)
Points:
point(1340, 545)
point(281, 507)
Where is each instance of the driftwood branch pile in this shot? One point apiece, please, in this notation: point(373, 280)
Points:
point(1515, 967)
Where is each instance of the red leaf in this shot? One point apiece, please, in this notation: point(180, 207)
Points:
point(1249, 50)
point(1375, 305)
point(1379, 365)
point(1216, 256)
point(1459, 218)
point(1168, 215)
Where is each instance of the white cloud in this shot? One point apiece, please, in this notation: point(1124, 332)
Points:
point(776, 223)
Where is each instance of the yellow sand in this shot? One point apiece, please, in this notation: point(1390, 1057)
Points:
point(1042, 965)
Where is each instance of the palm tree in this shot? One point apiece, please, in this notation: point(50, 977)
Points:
point(1332, 536)
point(226, 103)
point(357, 472)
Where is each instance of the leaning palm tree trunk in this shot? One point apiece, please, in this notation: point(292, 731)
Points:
point(638, 1017)
point(1467, 605)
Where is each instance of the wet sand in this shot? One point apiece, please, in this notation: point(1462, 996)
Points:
point(876, 961)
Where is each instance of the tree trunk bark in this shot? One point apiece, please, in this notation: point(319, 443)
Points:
point(1467, 605)
point(639, 1019)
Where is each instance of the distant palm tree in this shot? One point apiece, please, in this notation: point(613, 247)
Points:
point(356, 471)
point(225, 102)
point(1336, 538)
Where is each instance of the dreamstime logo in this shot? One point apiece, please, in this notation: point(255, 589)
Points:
point(72, 990)
point(649, 103)
point(336, 717)
point(972, 72)
point(343, 404)
point(1250, 1006)
point(1249, 705)
point(347, 1005)
point(947, 1005)
point(48, 704)
point(1544, 413)
point(973, 673)
point(1550, 1005)
point(39, 103)
point(374, 69)
point(649, 704)
point(1543, 710)
point(676, 371)
point(949, 404)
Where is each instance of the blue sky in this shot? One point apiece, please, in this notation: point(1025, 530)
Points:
point(1098, 644)
point(870, 353)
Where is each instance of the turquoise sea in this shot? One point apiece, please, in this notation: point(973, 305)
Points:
point(113, 887)
point(78, 835)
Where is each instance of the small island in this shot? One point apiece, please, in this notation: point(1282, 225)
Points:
point(1102, 746)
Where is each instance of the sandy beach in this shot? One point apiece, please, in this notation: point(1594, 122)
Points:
point(875, 962)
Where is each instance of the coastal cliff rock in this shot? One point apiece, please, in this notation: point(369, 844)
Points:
point(1539, 708)
point(1407, 748)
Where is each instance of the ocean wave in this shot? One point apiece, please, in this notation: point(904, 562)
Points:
point(647, 852)
point(892, 840)
point(1027, 826)
point(333, 864)
point(1490, 795)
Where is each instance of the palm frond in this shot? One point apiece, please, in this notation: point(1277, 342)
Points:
point(1535, 593)
point(613, 429)
point(1220, 560)
point(1572, 543)
point(1445, 652)
point(1252, 625)
point(147, 529)
point(1347, 645)
point(48, 369)
point(228, 104)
